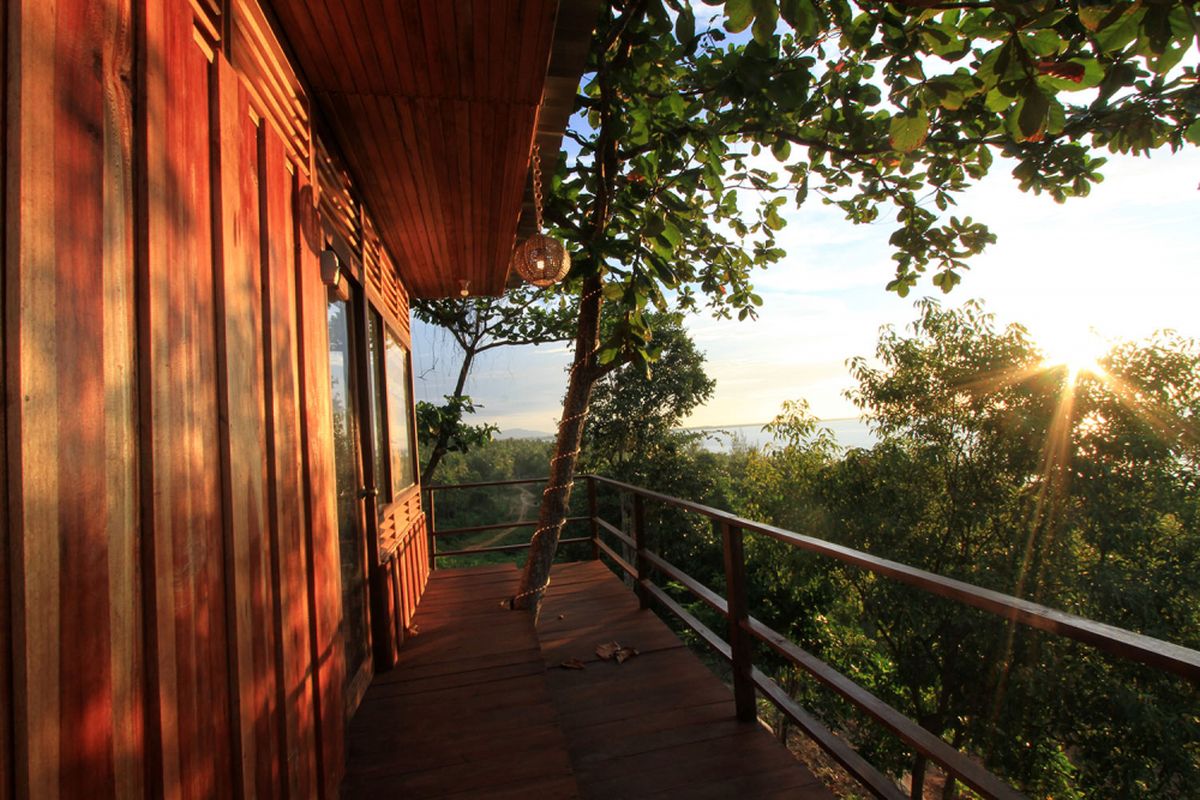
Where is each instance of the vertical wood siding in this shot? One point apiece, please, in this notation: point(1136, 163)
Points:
point(70, 360)
point(290, 565)
point(190, 682)
point(321, 532)
point(169, 564)
point(6, 700)
point(249, 594)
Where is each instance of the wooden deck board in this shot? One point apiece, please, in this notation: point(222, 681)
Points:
point(466, 712)
point(479, 707)
point(660, 724)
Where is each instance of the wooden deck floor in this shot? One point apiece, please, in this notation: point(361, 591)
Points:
point(479, 705)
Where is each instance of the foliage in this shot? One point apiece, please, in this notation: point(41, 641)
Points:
point(523, 315)
point(698, 133)
point(695, 136)
point(446, 421)
point(633, 410)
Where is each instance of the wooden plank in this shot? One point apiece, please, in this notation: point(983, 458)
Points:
point(69, 359)
point(659, 723)
point(240, 396)
point(7, 787)
point(320, 492)
point(466, 710)
point(30, 289)
point(188, 704)
point(294, 693)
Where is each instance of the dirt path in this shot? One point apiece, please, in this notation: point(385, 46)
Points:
point(527, 501)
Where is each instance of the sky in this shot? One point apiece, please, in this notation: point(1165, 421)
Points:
point(1120, 263)
point(1124, 261)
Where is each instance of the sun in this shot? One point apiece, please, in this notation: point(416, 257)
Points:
point(1076, 348)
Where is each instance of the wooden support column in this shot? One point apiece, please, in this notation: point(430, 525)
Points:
point(739, 638)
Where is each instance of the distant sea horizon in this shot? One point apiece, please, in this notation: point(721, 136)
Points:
point(849, 432)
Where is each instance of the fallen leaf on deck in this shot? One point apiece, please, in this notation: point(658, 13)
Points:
point(562, 616)
point(625, 653)
point(607, 650)
point(414, 630)
point(572, 663)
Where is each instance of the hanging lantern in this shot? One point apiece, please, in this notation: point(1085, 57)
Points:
point(541, 260)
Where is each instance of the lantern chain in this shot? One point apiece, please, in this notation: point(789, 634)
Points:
point(537, 186)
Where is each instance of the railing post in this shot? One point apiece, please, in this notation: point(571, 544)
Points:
point(593, 515)
point(739, 614)
point(639, 541)
point(432, 541)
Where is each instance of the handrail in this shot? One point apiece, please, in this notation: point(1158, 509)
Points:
point(434, 534)
point(1164, 655)
point(742, 625)
point(747, 678)
point(434, 487)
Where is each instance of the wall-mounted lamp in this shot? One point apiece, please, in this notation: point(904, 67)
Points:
point(464, 287)
point(331, 275)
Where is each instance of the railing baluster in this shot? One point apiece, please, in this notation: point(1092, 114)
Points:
point(429, 529)
point(594, 515)
point(739, 613)
point(639, 540)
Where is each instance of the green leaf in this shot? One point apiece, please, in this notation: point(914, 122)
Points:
point(738, 15)
point(1192, 134)
point(1031, 115)
point(781, 149)
point(766, 16)
point(671, 233)
point(773, 220)
point(909, 131)
point(685, 26)
point(801, 15)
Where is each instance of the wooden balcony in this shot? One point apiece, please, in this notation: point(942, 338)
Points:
point(481, 706)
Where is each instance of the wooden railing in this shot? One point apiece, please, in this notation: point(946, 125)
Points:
point(743, 628)
point(435, 533)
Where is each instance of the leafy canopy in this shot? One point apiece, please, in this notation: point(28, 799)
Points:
point(698, 125)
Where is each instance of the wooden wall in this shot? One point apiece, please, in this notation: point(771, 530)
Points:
point(169, 563)
point(6, 720)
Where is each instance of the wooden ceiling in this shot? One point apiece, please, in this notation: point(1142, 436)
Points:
point(434, 105)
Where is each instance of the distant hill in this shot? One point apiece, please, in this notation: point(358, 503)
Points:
point(523, 433)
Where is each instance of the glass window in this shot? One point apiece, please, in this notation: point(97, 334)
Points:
point(345, 457)
point(404, 473)
point(375, 391)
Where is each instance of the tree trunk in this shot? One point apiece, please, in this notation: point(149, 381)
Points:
point(443, 437)
point(557, 495)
